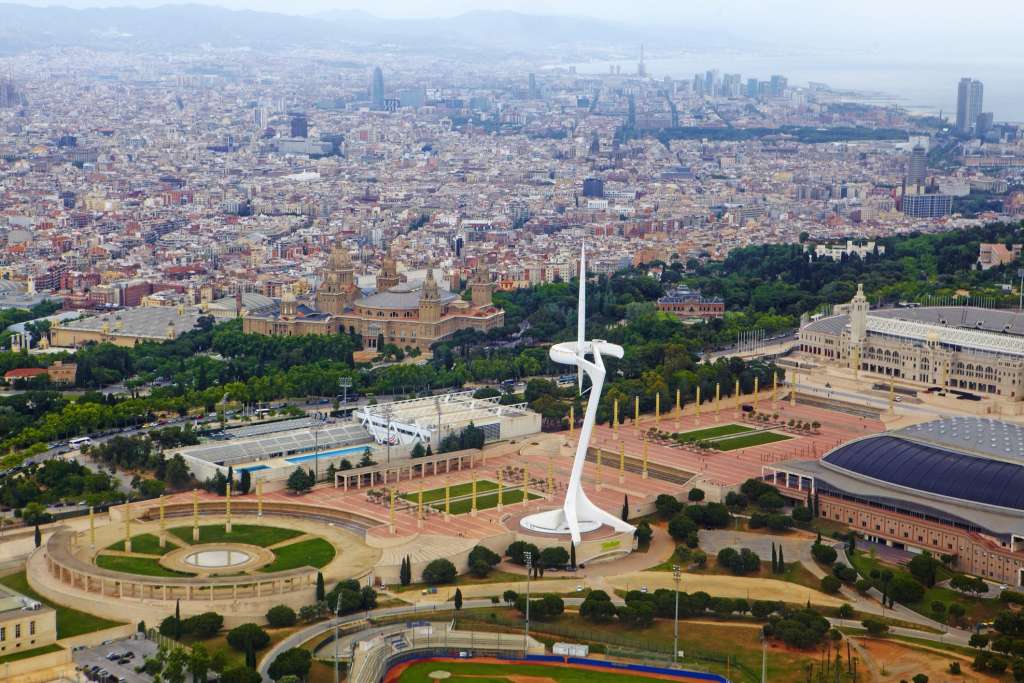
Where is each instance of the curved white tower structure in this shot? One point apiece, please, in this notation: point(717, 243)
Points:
point(578, 514)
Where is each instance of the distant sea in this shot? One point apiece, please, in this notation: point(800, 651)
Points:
point(925, 87)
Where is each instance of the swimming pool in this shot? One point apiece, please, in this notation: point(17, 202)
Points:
point(295, 459)
point(254, 468)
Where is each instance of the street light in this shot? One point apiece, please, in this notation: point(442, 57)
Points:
point(528, 561)
point(676, 576)
point(1020, 274)
point(317, 426)
point(337, 618)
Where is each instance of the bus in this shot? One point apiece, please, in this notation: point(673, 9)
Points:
point(80, 441)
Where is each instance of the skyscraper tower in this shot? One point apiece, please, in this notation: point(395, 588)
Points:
point(377, 90)
point(918, 165)
point(969, 94)
point(300, 125)
point(641, 68)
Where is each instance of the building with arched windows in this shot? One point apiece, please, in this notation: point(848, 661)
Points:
point(408, 314)
point(958, 348)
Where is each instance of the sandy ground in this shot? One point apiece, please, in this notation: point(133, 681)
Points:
point(891, 661)
point(726, 586)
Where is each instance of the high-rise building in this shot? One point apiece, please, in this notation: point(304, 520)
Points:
point(969, 94)
point(641, 68)
point(918, 165)
point(377, 90)
point(533, 92)
point(927, 205)
point(300, 126)
point(752, 88)
point(593, 187)
point(984, 124)
point(778, 85)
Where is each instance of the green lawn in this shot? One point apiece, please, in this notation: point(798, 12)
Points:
point(148, 544)
point(473, 672)
point(252, 534)
point(34, 652)
point(978, 609)
point(755, 439)
point(314, 552)
point(464, 489)
point(136, 565)
point(509, 497)
point(70, 622)
point(714, 432)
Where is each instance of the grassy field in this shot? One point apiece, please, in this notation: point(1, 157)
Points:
point(714, 432)
point(475, 672)
point(747, 440)
point(70, 622)
point(314, 552)
point(978, 609)
point(34, 652)
point(496, 576)
point(240, 533)
point(136, 565)
point(464, 489)
point(148, 544)
point(508, 497)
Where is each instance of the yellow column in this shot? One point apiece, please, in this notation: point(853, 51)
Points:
point(259, 497)
point(775, 386)
point(892, 396)
point(526, 484)
point(195, 515)
point(796, 383)
point(718, 399)
point(163, 535)
point(599, 458)
point(572, 419)
point(622, 463)
point(697, 403)
point(636, 411)
point(679, 402)
point(391, 512)
point(92, 527)
point(615, 418)
point(419, 507)
point(551, 478)
point(755, 392)
point(657, 409)
point(128, 528)
point(227, 508)
point(501, 496)
point(645, 457)
point(472, 508)
point(447, 500)
point(736, 394)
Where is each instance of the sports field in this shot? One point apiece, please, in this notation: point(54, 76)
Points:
point(486, 672)
point(714, 432)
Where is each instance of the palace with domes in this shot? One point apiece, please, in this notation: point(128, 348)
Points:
point(398, 311)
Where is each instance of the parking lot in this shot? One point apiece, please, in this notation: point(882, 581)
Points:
point(117, 673)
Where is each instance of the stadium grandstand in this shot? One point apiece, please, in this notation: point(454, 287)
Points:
point(952, 486)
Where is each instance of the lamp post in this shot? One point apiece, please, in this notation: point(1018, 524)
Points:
point(676, 575)
point(317, 426)
point(337, 618)
point(528, 560)
point(1020, 274)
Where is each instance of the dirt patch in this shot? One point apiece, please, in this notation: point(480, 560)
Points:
point(892, 661)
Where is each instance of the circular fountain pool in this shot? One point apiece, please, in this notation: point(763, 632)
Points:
point(217, 559)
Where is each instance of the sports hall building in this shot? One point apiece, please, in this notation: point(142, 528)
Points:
point(953, 486)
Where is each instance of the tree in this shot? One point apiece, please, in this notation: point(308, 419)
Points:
point(572, 554)
point(824, 554)
point(667, 506)
point(405, 571)
point(875, 627)
point(245, 482)
point(38, 536)
point(739, 562)
point(644, 533)
point(830, 585)
point(782, 561)
point(923, 567)
point(177, 619)
point(625, 508)
point(439, 571)
point(458, 599)
point(240, 674)
point(418, 451)
point(319, 586)
point(248, 634)
point(903, 588)
point(597, 607)
point(293, 662)
point(198, 663)
point(845, 611)
point(510, 597)
point(281, 616)
point(174, 666)
point(553, 556)
point(299, 481)
point(695, 495)
point(681, 526)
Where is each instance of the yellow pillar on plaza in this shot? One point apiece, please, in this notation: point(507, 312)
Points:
point(679, 401)
point(472, 506)
point(391, 512)
point(526, 484)
point(572, 419)
point(892, 397)
point(718, 399)
point(622, 463)
point(755, 392)
point(615, 417)
point(163, 535)
point(551, 478)
point(259, 497)
point(195, 515)
point(657, 409)
point(697, 403)
point(636, 411)
point(227, 508)
point(92, 526)
point(128, 528)
point(447, 499)
point(645, 457)
point(419, 507)
point(501, 491)
point(796, 383)
point(775, 386)
point(736, 394)
point(599, 458)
